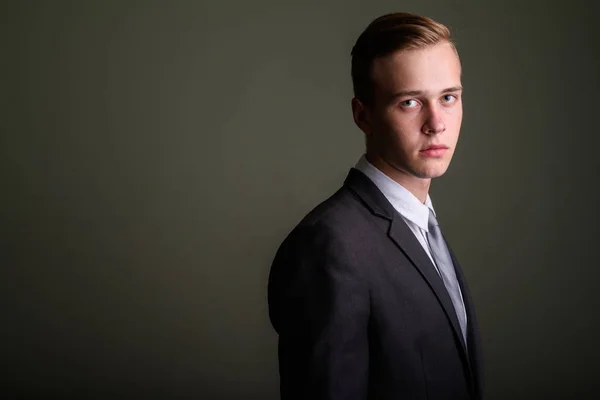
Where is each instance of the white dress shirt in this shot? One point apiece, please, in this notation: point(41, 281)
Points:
point(414, 213)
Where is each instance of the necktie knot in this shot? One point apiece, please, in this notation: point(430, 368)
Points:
point(432, 223)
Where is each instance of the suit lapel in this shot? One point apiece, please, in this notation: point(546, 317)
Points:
point(406, 241)
point(473, 336)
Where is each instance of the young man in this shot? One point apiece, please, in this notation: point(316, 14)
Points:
point(367, 299)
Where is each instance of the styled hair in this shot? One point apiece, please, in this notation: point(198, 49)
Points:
point(388, 34)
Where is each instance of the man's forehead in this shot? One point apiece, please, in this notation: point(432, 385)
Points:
point(429, 69)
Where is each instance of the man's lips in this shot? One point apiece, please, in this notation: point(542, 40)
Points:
point(436, 147)
point(434, 151)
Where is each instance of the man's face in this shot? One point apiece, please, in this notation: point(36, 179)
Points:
point(414, 121)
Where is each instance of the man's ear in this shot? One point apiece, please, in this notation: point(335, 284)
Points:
point(361, 115)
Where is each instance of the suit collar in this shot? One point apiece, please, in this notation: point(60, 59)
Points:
point(371, 196)
point(403, 201)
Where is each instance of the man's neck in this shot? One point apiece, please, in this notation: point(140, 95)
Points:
point(417, 186)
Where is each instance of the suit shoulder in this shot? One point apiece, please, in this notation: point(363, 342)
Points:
point(340, 211)
point(336, 226)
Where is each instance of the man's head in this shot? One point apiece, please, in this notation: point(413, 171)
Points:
point(406, 76)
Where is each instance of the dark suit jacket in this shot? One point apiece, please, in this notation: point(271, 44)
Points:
point(361, 312)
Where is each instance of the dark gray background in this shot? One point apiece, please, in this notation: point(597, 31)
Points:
point(155, 154)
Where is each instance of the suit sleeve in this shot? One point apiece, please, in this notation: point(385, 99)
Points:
point(319, 305)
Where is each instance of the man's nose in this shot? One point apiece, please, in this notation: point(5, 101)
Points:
point(435, 122)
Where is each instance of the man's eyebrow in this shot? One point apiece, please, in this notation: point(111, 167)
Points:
point(453, 89)
point(405, 93)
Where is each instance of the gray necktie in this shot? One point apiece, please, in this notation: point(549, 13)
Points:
point(445, 267)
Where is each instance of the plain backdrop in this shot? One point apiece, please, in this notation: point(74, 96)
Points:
point(155, 154)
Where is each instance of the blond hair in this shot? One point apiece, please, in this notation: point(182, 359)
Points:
point(388, 34)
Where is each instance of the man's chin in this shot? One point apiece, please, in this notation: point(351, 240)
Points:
point(428, 170)
point(431, 173)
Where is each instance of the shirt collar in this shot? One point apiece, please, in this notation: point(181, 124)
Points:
point(401, 199)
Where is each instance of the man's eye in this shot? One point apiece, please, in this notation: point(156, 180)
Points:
point(449, 98)
point(409, 103)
